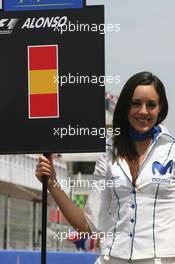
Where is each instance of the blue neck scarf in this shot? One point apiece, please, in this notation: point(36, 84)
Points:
point(137, 136)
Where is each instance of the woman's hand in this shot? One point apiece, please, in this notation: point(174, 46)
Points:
point(45, 167)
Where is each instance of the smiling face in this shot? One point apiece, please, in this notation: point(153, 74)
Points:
point(144, 109)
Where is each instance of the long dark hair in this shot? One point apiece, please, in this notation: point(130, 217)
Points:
point(122, 143)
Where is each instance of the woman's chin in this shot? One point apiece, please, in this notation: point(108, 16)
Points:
point(143, 129)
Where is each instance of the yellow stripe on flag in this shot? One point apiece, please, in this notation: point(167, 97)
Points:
point(43, 81)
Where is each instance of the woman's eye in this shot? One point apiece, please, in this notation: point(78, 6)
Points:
point(151, 105)
point(135, 103)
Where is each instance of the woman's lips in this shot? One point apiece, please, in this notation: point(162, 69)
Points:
point(143, 120)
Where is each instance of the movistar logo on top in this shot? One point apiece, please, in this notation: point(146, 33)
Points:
point(162, 168)
point(162, 172)
point(15, 5)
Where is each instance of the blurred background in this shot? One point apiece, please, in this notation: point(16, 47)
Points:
point(145, 42)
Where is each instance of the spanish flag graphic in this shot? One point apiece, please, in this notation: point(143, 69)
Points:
point(42, 81)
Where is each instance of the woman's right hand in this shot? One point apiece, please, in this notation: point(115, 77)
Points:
point(45, 167)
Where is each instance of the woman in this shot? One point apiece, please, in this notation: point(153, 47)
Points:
point(138, 209)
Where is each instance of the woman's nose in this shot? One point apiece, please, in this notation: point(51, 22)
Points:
point(143, 109)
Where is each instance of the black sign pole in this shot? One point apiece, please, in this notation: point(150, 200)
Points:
point(44, 220)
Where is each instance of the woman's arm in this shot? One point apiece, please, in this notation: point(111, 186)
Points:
point(72, 213)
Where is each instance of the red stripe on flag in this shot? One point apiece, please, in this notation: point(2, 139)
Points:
point(42, 57)
point(43, 105)
point(58, 216)
point(52, 216)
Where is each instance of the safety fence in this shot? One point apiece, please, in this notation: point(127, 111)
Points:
point(28, 257)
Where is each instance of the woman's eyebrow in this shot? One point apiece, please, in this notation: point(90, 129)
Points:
point(150, 100)
point(136, 99)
